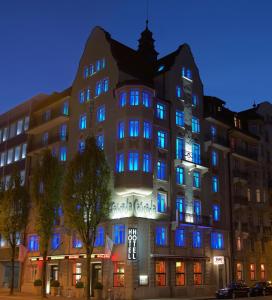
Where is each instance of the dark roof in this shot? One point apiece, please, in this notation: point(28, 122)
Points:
point(167, 61)
point(251, 114)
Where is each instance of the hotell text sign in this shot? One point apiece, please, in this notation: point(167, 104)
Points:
point(132, 244)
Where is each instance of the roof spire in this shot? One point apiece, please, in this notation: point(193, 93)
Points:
point(254, 103)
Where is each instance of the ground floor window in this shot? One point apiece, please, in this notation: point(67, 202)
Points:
point(198, 276)
point(119, 274)
point(262, 272)
point(160, 273)
point(77, 273)
point(252, 269)
point(239, 271)
point(180, 273)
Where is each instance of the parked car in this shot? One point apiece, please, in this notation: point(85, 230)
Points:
point(261, 288)
point(234, 290)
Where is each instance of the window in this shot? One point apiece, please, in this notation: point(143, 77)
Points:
point(81, 146)
point(12, 130)
point(197, 208)
point(92, 71)
point(100, 234)
point(119, 234)
point(122, 99)
point(180, 118)
point(98, 65)
point(196, 153)
point(248, 194)
point(258, 195)
point(161, 202)
point(195, 100)
point(214, 158)
point(213, 131)
point(239, 243)
point(134, 98)
point(161, 236)
point(147, 130)
point(103, 63)
point(160, 111)
point(119, 274)
point(98, 88)
point(180, 206)
point(216, 212)
point(33, 243)
point(161, 170)
point(100, 141)
point(77, 243)
point(24, 151)
point(133, 128)
point(179, 238)
point(180, 273)
point(105, 85)
point(121, 130)
point(196, 179)
point(88, 94)
point(263, 276)
point(179, 148)
point(217, 240)
point(252, 270)
point(19, 127)
point(65, 109)
point(55, 241)
point(83, 122)
point(239, 271)
point(160, 273)
point(147, 162)
point(120, 167)
point(63, 132)
point(133, 161)
point(81, 97)
point(179, 175)
point(10, 156)
point(195, 125)
point(197, 273)
point(100, 114)
point(162, 139)
point(63, 153)
point(178, 92)
point(215, 184)
point(197, 243)
point(17, 153)
point(5, 134)
point(45, 138)
point(3, 159)
point(189, 74)
point(86, 73)
point(146, 99)
point(77, 272)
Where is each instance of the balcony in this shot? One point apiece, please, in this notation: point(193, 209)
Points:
point(192, 161)
point(240, 200)
point(219, 142)
point(239, 175)
point(246, 153)
point(193, 219)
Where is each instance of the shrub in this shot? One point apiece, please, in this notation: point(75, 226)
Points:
point(38, 282)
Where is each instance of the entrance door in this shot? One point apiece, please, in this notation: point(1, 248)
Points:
point(52, 274)
point(220, 276)
point(96, 275)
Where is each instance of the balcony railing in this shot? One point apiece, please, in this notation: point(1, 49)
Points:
point(190, 157)
point(218, 139)
point(246, 153)
point(37, 145)
point(194, 219)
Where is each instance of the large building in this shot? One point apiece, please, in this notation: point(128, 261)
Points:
point(191, 183)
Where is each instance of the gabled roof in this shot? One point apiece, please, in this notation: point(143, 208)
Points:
point(167, 61)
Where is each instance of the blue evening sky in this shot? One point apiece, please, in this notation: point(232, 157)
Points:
point(41, 42)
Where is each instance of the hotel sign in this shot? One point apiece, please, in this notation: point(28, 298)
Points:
point(132, 244)
point(218, 260)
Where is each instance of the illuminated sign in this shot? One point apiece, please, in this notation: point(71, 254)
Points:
point(218, 260)
point(132, 244)
point(143, 280)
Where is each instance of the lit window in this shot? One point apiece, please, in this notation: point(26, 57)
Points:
point(258, 195)
point(134, 98)
point(160, 273)
point(263, 275)
point(86, 72)
point(197, 208)
point(92, 71)
point(239, 243)
point(217, 240)
point(81, 97)
point(123, 99)
point(179, 238)
point(24, 151)
point(121, 130)
point(55, 241)
point(119, 234)
point(26, 123)
point(161, 236)
point(146, 99)
point(63, 132)
point(119, 274)
point(63, 153)
point(81, 146)
point(194, 100)
point(83, 122)
point(65, 108)
point(105, 85)
point(178, 92)
point(160, 111)
point(214, 158)
point(147, 162)
point(180, 207)
point(180, 273)
point(33, 243)
point(133, 128)
point(133, 161)
point(88, 94)
point(239, 271)
point(103, 63)
point(3, 159)
point(98, 65)
point(197, 273)
point(19, 127)
point(179, 175)
point(179, 148)
point(161, 202)
point(17, 153)
point(213, 131)
point(196, 179)
point(197, 242)
point(99, 239)
point(196, 153)
point(100, 141)
point(10, 156)
point(98, 88)
point(180, 118)
point(216, 212)
point(189, 74)
point(183, 72)
point(195, 125)
point(101, 114)
point(5, 134)
point(147, 130)
point(215, 184)
point(162, 139)
point(252, 269)
point(120, 163)
point(161, 170)
point(77, 272)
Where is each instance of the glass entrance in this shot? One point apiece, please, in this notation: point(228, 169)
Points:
point(96, 275)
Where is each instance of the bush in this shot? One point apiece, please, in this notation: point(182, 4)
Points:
point(98, 286)
point(54, 283)
point(38, 282)
point(79, 285)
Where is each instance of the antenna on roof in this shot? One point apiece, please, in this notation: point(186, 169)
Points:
point(147, 14)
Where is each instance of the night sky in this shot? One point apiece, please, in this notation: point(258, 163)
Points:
point(41, 42)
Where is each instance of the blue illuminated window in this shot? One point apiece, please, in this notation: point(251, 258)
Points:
point(183, 72)
point(91, 70)
point(214, 158)
point(63, 132)
point(98, 65)
point(81, 97)
point(197, 239)
point(179, 148)
point(101, 113)
point(161, 236)
point(133, 128)
point(161, 202)
point(105, 85)
point(119, 234)
point(180, 118)
point(100, 141)
point(65, 109)
point(196, 153)
point(161, 170)
point(77, 243)
point(81, 146)
point(146, 99)
point(121, 130)
point(100, 237)
point(98, 88)
point(178, 92)
point(180, 206)
point(133, 161)
point(162, 139)
point(33, 243)
point(134, 97)
point(216, 212)
point(120, 163)
point(55, 241)
point(213, 131)
point(160, 111)
point(197, 207)
point(147, 130)
point(122, 99)
point(179, 175)
point(215, 184)
point(160, 68)
point(195, 125)
point(147, 162)
point(189, 74)
point(63, 154)
point(196, 179)
point(195, 100)
point(217, 240)
point(83, 122)
point(179, 238)
point(86, 72)
point(103, 63)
